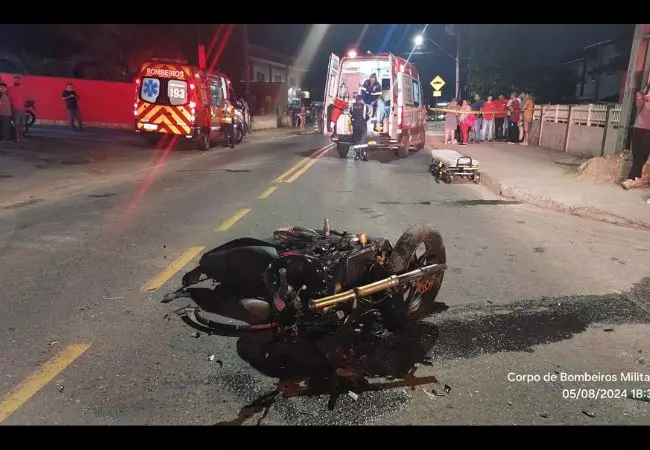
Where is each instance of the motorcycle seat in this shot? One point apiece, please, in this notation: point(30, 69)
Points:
point(239, 268)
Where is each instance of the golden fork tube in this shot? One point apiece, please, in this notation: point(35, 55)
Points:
point(351, 294)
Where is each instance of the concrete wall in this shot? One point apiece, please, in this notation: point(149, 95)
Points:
point(583, 140)
point(265, 122)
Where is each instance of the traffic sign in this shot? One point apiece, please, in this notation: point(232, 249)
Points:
point(437, 94)
point(437, 83)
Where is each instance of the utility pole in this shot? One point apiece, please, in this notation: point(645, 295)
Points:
point(631, 88)
point(247, 64)
point(457, 62)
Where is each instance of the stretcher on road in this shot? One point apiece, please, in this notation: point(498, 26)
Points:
point(449, 164)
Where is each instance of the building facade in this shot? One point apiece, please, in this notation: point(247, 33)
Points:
point(599, 73)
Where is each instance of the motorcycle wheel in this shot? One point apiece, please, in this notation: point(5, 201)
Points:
point(420, 245)
point(239, 135)
point(30, 119)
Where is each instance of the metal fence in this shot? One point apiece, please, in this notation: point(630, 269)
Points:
point(587, 115)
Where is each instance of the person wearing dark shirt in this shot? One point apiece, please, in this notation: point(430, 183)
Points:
point(71, 102)
point(478, 123)
point(371, 93)
point(359, 115)
point(513, 119)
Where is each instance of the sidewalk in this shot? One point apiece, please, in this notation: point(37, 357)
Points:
point(550, 179)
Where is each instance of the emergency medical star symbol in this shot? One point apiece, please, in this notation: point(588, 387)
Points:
point(150, 88)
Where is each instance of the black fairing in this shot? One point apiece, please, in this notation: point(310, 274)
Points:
point(239, 265)
point(302, 270)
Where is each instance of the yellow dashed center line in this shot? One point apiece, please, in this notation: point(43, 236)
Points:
point(234, 219)
point(268, 192)
point(170, 271)
point(302, 166)
point(35, 382)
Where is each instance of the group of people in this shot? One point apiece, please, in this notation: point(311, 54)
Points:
point(14, 103)
point(490, 120)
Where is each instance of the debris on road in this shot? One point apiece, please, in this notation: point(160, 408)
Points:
point(211, 357)
point(61, 388)
point(167, 316)
point(220, 363)
point(588, 414)
point(53, 343)
point(196, 334)
point(640, 360)
point(488, 301)
point(353, 396)
point(447, 389)
point(112, 298)
point(543, 415)
point(509, 403)
point(607, 330)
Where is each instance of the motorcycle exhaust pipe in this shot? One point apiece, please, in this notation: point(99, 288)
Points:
point(377, 286)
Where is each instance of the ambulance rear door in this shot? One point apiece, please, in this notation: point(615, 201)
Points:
point(331, 89)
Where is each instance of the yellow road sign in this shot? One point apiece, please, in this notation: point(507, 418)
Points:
point(437, 83)
point(437, 94)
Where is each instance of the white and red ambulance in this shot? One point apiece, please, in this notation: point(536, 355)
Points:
point(404, 120)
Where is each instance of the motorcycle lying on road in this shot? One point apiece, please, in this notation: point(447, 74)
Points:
point(323, 285)
point(30, 119)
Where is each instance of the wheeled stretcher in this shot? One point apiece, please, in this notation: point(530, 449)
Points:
point(448, 164)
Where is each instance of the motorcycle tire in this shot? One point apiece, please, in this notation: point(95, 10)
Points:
point(239, 135)
point(30, 120)
point(414, 305)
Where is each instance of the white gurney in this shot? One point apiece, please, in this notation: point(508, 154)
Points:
point(447, 164)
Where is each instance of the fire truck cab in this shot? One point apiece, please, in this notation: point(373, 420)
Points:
point(173, 98)
point(404, 120)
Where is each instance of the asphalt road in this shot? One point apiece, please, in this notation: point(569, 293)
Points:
point(529, 292)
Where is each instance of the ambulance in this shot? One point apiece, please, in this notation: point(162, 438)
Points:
point(173, 98)
point(405, 119)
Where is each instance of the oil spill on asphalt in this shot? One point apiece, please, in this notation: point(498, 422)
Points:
point(307, 410)
point(31, 201)
point(457, 203)
point(473, 330)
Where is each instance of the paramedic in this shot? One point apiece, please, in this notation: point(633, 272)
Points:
point(371, 91)
point(360, 117)
point(229, 119)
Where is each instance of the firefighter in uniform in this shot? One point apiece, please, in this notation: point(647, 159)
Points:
point(360, 115)
point(229, 122)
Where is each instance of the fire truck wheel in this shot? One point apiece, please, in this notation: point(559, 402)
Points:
point(343, 149)
point(204, 142)
point(403, 151)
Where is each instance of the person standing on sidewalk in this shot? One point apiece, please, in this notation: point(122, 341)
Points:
point(529, 110)
point(640, 140)
point(499, 117)
point(487, 127)
point(465, 121)
point(5, 113)
point(513, 119)
point(18, 98)
point(71, 103)
point(451, 123)
point(478, 120)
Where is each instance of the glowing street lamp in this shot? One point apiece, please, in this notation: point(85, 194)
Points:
point(418, 40)
point(352, 54)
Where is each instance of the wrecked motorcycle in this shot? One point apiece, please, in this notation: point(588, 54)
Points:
point(325, 283)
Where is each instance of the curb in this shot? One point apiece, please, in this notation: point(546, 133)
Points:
point(515, 193)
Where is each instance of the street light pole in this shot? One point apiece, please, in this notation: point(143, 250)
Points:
point(419, 39)
point(457, 65)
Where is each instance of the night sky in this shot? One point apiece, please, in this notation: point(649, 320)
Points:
point(555, 40)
